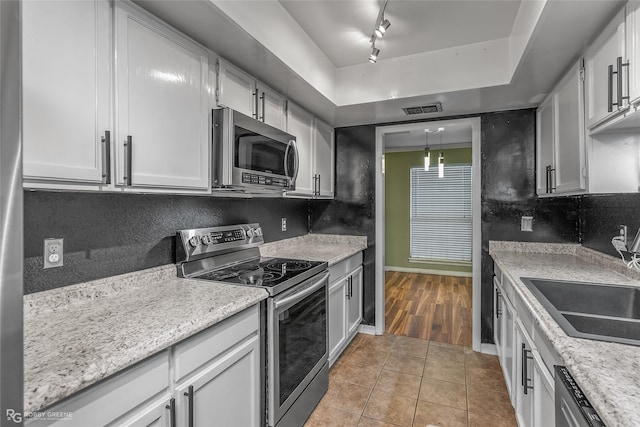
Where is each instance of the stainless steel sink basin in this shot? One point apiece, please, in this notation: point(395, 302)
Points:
point(591, 310)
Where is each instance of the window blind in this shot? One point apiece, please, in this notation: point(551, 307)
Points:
point(441, 213)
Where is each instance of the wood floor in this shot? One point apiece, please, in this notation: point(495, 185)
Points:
point(430, 307)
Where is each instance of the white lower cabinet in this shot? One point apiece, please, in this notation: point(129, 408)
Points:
point(345, 304)
point(526, 356)
point(210, 379)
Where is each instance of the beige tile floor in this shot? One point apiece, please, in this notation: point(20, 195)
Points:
point(387, 381)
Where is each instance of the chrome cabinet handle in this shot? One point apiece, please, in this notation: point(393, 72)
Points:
point(619, 75)
point(318, 192)
point(172, 411)
point(498, 295)
point(550, 175)
point(610, 103)
point(525, 368)
point(255, 104)
point(263, 113)
point(189, 394)
point(350, 287)
point(128, 143)
point(106, 157)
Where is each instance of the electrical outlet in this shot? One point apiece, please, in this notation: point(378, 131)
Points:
point(526, 223)
point(622, 230)
point(53, 253)
point(284, 224)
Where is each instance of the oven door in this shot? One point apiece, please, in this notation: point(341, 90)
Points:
point(297, 344)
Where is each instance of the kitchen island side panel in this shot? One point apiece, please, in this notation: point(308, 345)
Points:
point(107, 234)
point(352, 211)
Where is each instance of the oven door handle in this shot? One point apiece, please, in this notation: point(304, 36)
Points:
point(295, 297)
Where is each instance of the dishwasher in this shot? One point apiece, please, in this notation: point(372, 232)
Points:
point(572, 406)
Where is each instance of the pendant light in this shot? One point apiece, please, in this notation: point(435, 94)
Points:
point(441, 157)
point(427, 155)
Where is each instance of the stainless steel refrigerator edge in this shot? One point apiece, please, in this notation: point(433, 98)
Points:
point(11, 232)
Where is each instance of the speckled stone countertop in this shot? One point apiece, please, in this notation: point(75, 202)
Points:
point(608, 373)
point(316, 247)
point(77, 335)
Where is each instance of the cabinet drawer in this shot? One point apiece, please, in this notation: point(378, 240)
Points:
point(208, 344)
point(344, 267)
point(497, 272)
point(525, 316)
point(119, 394)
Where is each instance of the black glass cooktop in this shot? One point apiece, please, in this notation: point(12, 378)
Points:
point(266, 272)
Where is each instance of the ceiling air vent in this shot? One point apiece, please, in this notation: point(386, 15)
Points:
point(436, 107)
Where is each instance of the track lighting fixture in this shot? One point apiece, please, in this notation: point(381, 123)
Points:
point(380, 28)
point(374, 55)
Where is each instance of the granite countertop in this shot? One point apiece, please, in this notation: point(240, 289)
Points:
point(608, 373)
point(77, 335)
point(316, 247)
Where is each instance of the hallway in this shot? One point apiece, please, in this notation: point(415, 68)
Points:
point(430, 307)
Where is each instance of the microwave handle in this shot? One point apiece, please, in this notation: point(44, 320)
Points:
point(297, 163)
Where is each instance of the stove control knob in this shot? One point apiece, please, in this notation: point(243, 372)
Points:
point(206, 239)
point(194, 241)
point(258, 231)
point(251, 232)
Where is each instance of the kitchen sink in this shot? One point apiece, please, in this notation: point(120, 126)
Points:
point(595, 311)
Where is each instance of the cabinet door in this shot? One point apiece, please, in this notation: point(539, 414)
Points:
point(66, 72)
point(300, 125)
point(354, 302)
point(632, 33)
point(271, 107)
point(324, 158)
point(225, 392)
point(569, 132)
point(236, 89)
point(544, 407)
point(158, 414)
point(601, 85)
point(544, 146)
point(524, 385)
point(498, 313)
point(508, 346)
point(162, 105)
point(337, 319)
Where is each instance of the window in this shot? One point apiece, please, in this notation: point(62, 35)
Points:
point(441, 214)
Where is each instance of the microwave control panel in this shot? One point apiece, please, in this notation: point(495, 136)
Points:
point(256, 179)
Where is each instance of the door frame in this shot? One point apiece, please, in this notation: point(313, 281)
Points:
point(476, 256)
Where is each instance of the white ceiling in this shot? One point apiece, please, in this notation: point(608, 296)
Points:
point(342, 29)
point(453, 134)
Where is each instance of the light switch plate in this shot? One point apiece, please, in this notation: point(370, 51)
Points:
point(526, 223)
point(284, 224)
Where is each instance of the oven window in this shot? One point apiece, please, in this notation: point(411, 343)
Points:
point(303, 340)
point(258, 153)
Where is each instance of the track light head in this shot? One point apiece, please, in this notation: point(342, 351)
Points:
point(374, 55)
point(382, 28)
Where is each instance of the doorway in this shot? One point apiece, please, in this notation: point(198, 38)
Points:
point(407, 137)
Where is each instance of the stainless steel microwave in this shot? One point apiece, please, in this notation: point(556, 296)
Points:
point(251, 156)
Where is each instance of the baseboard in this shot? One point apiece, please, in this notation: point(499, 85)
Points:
point(367, 329)
point(429, 271)
point(488, 349)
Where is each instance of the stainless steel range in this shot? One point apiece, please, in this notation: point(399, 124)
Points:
point(296, 327)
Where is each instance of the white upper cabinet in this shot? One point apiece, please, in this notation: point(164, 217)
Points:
point(316, 148)
point(606, 75)
point(162, 105)
point(66, 90)
point(271, 107)
point(241, 92)
point(632, 33)
point(300, 125)
point(236, 89)
point(570, 160)
point(324, 147)
point(561, 159)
